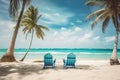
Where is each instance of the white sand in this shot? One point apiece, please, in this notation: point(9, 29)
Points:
point(85, 70)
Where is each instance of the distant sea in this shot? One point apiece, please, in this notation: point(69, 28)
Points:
point(60, 53)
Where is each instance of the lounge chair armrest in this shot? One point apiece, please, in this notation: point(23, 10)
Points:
point(63, 60)
point(54, 60)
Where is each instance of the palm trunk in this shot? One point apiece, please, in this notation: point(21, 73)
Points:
point(114, 60)
point(28, 48)
point(9, 56)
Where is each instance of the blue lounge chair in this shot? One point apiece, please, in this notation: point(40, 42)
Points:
point(48, 61)
point(70, 62)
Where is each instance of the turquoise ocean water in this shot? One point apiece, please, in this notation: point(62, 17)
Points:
point(60, 53)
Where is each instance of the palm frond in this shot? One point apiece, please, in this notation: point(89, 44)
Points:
point(119, 16)
point(43, 27)
point(105, 23)
point(116, 23)
point(14, 7)
point(39, 33)
point(38, 18)
point(28, 2)
point(111, 9)
point(100, 17)
point(35, 10)
point(31, 13)
point(25, 30)
point(29, 21)
point(95, 3)
point(26, 22)
point(95, 13)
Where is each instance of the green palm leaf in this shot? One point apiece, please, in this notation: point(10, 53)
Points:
point(43, 27)
point(39, 32)
point(29, 22)
point(38, 18)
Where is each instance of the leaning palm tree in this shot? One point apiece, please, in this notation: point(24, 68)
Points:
point(14, 9)
point(29, 22)
point(110, 10)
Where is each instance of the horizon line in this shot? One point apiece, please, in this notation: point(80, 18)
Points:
point(60, 48)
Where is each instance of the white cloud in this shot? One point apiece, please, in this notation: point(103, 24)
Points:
point(109, 39)
point(67, 32)
point(53, 14)
point(68, 37)
point(55, 33)
point(63, 37)
point(78, 29)
point(96, 38)
point(56, 18)
point(8, 24)
point(86, 36)
point(63, 28)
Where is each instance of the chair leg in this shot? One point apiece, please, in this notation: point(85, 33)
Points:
point(44, 67)
point(53, 66)
point(74, 66)
point(64, 66)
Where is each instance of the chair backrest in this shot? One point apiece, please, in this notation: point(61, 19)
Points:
point(48, 56)
point(71, 56)
point(71, 59)
point(48, 59)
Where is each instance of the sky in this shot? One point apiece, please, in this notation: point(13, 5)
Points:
point(66, 22)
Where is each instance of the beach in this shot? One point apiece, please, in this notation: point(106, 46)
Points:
point(36, 34)
point(85, 70)
point(91, 64)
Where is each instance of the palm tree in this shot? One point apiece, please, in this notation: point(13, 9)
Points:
point(110, 10)
point(14, 9)
point(29, 22)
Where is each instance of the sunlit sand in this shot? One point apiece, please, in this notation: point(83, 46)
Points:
point(85, 70)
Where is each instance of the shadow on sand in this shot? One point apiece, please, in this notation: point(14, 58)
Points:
point(24, 69)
